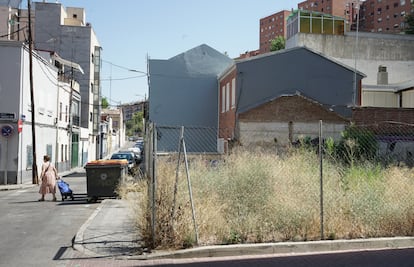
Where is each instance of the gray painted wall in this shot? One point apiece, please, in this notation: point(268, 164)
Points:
point(183, 90)
point(70, 42)
point(372, 46)
point(395, 51)
point(263, 78)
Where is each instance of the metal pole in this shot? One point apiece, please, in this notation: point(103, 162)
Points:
point(190, 192)
point(356, 54)
point(180, 143)
point(153, 184)
point(34, 165)
point(321, 178)
point(7, 162)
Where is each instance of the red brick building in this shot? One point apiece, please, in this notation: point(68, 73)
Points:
point(334, 7)
point(385, 16)
point(271, 27)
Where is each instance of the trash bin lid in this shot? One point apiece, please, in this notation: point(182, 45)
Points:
point(107, 162)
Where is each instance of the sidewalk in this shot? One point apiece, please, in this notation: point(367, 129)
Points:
point(30, 184)
point(110, 232)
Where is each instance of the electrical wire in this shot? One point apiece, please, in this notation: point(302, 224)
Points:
point(9, 34)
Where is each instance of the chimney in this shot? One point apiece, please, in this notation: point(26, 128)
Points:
point(382, 76)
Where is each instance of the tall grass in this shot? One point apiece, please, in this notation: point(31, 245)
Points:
point(255, 196)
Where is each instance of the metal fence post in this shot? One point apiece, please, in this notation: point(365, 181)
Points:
point(321, 177)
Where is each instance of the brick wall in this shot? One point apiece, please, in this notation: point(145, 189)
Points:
point(374, 115)
point(227, 120)
point(290, 108)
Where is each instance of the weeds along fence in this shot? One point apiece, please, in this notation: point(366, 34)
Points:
point(267, 184)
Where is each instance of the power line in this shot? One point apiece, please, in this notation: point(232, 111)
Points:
point(122, 67)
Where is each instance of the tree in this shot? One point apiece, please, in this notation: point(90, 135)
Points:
point(409, 21)
point(135, 125)
point(278, 43)
point(105, 103)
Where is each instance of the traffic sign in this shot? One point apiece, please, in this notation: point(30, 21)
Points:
point(6, 130)
point(19, 126)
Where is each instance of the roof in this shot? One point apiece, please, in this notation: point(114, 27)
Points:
point(201, 60)
point(342, 112)
point(395, 87)
point(296, 11)
point(68, 63)
point(284, 51)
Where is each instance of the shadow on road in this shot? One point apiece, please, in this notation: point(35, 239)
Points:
point(75, 174)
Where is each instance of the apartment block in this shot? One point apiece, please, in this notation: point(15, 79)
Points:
point(271, 27)
point(333, 7)
point(385, 16)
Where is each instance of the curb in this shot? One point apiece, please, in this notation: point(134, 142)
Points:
point(16, 186)
point(79, 241)
point(285, 248)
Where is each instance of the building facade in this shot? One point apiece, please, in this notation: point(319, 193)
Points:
point(66, 32)
point(51, 105)
point(183, 92)
point(253, 96)
point(384, 16)
point(271, 27)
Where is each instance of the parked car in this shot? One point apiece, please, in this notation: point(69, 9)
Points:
point(140, 145)
point(128, 155)
point(137, 153)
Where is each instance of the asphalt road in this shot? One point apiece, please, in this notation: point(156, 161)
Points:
point(34, 233)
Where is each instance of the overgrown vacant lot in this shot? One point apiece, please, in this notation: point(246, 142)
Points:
point(250, 197)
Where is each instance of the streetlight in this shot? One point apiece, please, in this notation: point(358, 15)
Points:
point(356, 52)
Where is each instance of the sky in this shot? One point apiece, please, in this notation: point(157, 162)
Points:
point(130, 31)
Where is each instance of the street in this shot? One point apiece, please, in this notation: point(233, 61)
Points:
point(34, 233)
point(37, 233)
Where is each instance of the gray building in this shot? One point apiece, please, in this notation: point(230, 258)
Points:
point(284, 94)
point(299, 69)
point(183, 92)
point(66, 32)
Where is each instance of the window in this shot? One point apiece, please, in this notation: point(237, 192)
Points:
point(29, 157)
point(66, 113)
point(92, 89)
point(49, 151)
point(233, 93)
point(60, 111)
point(61, 152)
point(227, 96)
point(395, 4)
point(90, 116)
point(223, 99)
point(66, 152)
point(402, 2)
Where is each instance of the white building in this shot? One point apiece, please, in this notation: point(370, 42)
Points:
point(51, 111)
point(66, 32)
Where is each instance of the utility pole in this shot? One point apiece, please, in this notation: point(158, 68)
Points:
point(70, 117)
point(34, 165)
point(356, 85)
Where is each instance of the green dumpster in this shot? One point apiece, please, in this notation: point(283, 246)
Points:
point(103, 176)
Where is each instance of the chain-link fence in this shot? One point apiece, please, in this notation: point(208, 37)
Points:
point(267, 184)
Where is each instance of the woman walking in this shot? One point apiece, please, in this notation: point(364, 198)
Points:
point(49, 176)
